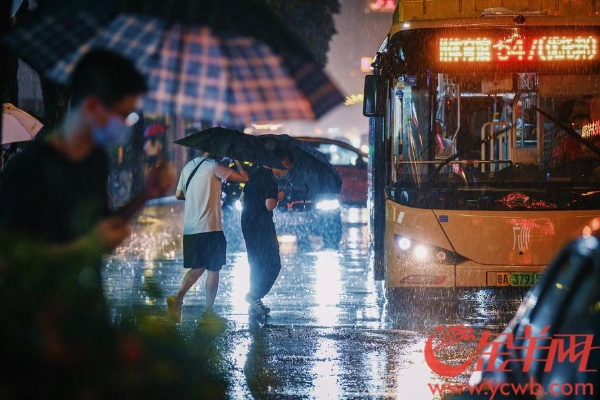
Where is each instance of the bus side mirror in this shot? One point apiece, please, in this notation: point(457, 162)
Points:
point(374, 96)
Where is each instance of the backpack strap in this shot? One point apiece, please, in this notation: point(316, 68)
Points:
point(192, 174)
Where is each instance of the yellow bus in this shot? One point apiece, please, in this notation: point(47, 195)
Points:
point(484, 117)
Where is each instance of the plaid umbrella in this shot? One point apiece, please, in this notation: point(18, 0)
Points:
point(312, 170)
point(205, 71)
point(233, 144)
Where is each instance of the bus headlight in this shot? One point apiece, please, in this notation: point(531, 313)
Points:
point(403, 243)
point(328, 205)
point(421, 252)
point(417, 251)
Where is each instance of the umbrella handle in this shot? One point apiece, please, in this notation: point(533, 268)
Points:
point(238, 165)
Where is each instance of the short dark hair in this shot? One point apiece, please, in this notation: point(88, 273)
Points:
point(107, 75)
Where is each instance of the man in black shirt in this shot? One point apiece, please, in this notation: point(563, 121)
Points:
point(55, 226)
point(260, 199)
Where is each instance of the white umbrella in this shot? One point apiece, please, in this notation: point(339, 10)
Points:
point(17, 125)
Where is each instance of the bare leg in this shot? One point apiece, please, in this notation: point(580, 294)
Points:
point(174, 302)
point(212, 286)
point(188, 281)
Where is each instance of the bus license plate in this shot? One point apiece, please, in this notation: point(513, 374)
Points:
point(517, 278)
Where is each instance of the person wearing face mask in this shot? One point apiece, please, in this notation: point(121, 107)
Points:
point(261, 196)
point(56, 224)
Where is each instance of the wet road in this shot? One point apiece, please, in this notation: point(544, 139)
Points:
point(333, 331)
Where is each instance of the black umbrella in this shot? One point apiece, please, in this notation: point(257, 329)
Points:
point(233, 144)
point(312, 170)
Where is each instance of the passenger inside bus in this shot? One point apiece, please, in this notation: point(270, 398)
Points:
point(568, 148)
point(467, 145)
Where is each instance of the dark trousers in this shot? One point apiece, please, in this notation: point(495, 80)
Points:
point(263, 254)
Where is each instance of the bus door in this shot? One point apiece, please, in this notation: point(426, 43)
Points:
point(527, 144)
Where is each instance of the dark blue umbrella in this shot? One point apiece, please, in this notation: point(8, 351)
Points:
point(230, 65)
point(312, 171)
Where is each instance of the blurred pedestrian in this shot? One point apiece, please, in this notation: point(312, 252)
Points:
point(153, 145)
point(261, 196)
point(55, 226)
point(204, 243)
point(7, 151)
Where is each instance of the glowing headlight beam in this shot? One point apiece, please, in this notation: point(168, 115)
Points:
point(328, 205)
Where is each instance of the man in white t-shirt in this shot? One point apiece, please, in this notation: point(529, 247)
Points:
point(204, 244)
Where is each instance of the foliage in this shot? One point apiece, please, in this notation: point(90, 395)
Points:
point(58, 342)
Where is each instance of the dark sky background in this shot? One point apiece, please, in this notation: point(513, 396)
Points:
point(359, 34)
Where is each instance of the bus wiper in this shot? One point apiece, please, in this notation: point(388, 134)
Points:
point(570, 131)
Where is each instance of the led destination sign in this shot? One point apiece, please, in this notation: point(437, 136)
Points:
point(519, 49)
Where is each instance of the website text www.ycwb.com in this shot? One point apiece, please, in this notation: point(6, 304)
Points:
point(510, 389)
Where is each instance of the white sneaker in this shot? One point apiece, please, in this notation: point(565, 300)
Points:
point(257, 307)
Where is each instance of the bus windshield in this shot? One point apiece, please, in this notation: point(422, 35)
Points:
point(475, 125)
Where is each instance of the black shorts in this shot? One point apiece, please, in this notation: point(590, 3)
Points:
point(205, 250)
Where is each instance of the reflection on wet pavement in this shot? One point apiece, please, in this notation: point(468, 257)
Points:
point(333, 331)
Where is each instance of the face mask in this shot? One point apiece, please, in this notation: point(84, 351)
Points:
point(114, 133)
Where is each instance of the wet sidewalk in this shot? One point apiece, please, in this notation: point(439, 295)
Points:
point(330, 333)
point(315, 287)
